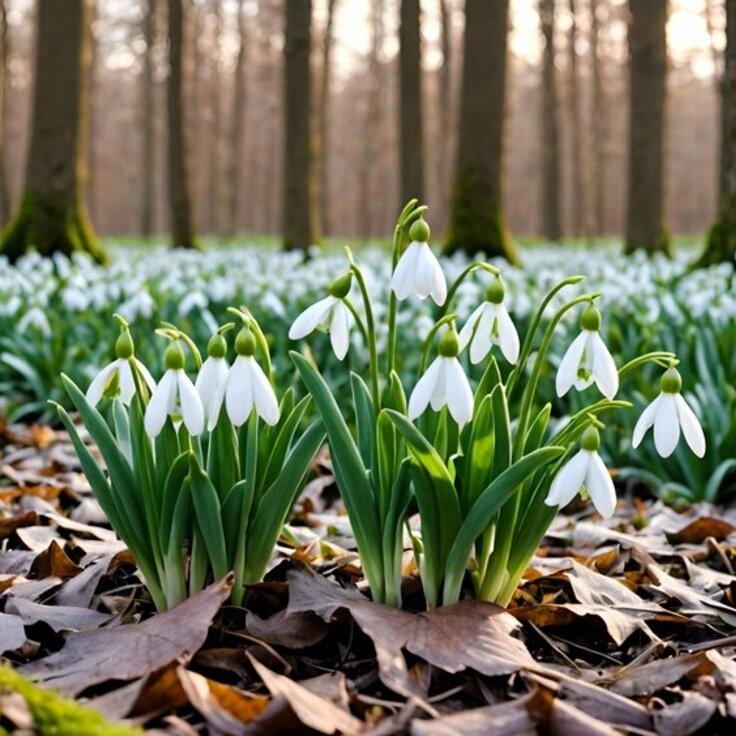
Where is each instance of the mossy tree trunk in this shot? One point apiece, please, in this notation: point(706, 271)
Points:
point(411, 156)
point(51, 216)
point(476, 216)
point(180, 208)
point(721, 243)
point(645, 228)
point(300, 207)
point(551, 180)
point(148, 95)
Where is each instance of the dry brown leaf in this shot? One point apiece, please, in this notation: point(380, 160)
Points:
point(699, 530)
point(687, 716)
point(9, 524)
point(59, 618)
point(132, 650)
point(54, 562)
point(651, 677)
point(292, 630)
point(469, 634)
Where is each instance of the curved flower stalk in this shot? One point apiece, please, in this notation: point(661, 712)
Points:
point(221, 488)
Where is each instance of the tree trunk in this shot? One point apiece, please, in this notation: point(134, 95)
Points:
point(721, 243)
point(4, 194)
point(580, 216)
point(237, 139)
point(148, 93)
point(300, 213)
point(323, 117)
point(598, 162)
point(444, 102)
point(214, 136)
point(180, 210)
point(476, 217)
point(410, 103)
point(52, 217)
point(647, 92)
point(92, 114)
point(551, 227)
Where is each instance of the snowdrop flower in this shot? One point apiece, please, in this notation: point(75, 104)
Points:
point(330, 314)
point(418, 270)
point(116, 378)
point(175, 396)
point(587, 360)
point(585, 471)
point(444, 384)
point(247, 386)
point(668, 414)
point(489, 325)
point(212, 380)
point(35, 317)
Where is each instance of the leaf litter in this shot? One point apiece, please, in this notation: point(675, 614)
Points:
point(616, 628)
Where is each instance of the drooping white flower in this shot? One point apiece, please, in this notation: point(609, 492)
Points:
point(489, 325)
point(118, 375)
point(330, 314)
point(247, 387)
point(669, 413)
point(418, 270)
point(444, 383)
point(212, 380)
point(175, 396)
point(587, 360)
point(585, 471)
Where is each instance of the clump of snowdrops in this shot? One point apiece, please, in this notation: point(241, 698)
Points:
point(201, 476)
point(486, 483)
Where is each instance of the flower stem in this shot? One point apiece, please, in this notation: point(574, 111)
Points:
point(371, 332)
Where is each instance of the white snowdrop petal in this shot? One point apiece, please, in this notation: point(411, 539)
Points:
point(147, 377)
point(691, 428)
point(402, 281)
point(97, 387)
point(600, 486)
point(127, 382)
point(569, 480)
point(567, 373)
point(424, 275)
point(239, 392)
point(439, 395)
point(311, 318)
point(666, 426)
point(340, 330)
point(422, 393)
point(508, 337)
point(467, 330)
point(164, 394)
point(458, 391)
point(192, 412)
point(483, 341)
point(645, 421)
point(263, 394)
point(439, 286)
point(604, 368)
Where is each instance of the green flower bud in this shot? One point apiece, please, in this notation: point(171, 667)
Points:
point(495, 291)
point(217, 346)
point(245, 343)
point(174, 357)
point(340, 287)
point(591, 439)
point(671, 382)
point(449, 345)
point(124, 347)
point(393, 395)
point(591, 318)
point(419, 231)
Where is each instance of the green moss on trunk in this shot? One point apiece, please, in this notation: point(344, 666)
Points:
point(49, 228)
point(476, 221)
point(720, 246)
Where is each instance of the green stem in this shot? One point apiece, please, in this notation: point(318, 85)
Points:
point(371, 333)
point(661, 358)
point(358, 319)
point(459, 280)
point(427, 344)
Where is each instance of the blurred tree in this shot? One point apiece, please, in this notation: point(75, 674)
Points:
point(92, 113)
point(598, 160)
point(721, 242)
point(410, 102)
point(180, 210)
point(647, 97)
point(580, 209)
point(476, 217)
point(52, 216)
point(551, 179)
point(237, 133)
point(300, 211)
point(214, 129)
point(148, 98)
point(4, 194)
point(445, 101)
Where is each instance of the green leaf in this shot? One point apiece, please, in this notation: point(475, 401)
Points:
point(172, 489)
point(484, 509)
point(223, 460)
point(365, 420)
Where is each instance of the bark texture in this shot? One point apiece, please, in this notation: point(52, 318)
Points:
point(551, 190)
point(180, 209)
point(580, 209)
point(645, 227)
point(476, 218)
point(52, 216)
point(598, 160)
point(410, 102)
point(323, 117)
point(148, 95)
point(721, 243)
point(4, 194)
point(300, 210)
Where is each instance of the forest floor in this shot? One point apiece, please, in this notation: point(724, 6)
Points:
point(623, 626)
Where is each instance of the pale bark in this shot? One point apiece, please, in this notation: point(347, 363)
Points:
point(323, 118)
point(4, 194)
point(598, 160)
point(148, 95)
point(580, 216)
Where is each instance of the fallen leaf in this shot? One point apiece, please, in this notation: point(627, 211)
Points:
point(651, 677)
point(131, 650)
point(54, 562)
point(292, 630)
point(685, 717)
point(9, 524)
point(12, 632)
point(505, 719)
point(59, 618)
point(699, 530)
